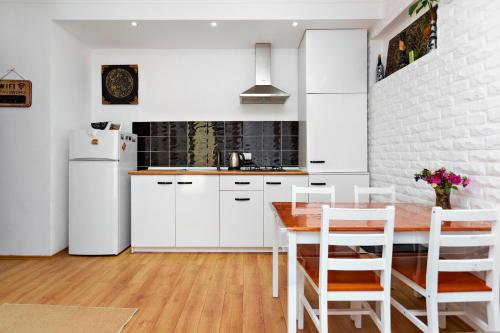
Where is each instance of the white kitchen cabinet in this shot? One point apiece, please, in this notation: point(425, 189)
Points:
point(241, 219)
point(337, 133)
point(197, 211)
point(241, 183)
point(276, 189)
point(344, 185)
point(153, 211)
point(332, 101)
point(335, 61)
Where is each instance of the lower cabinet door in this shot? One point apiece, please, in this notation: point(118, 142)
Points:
point(153, 211)
point(241, 219)
point(197, 211)
point(344, 185)
point(276, 189)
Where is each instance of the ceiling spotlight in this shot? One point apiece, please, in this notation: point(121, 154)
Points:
point(133, 23)
point(213, 24)
point(295, 24)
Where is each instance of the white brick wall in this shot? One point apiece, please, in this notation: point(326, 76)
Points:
point(443, 110)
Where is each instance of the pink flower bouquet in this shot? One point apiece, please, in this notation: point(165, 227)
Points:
point(443, 181)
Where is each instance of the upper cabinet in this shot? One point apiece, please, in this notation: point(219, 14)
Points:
point(333, 61)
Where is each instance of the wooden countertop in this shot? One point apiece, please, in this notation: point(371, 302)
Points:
point(217, 173)
point(410, 217)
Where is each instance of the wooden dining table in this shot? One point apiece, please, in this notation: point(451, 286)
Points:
point(302, 223)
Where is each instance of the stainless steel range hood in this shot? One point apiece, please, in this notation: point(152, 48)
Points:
point(263, 92)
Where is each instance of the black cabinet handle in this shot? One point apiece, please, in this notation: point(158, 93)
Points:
point(184, 183)
point(164, 183)
point(242, 183)
point(242, 199)
point(318, 184)
point(317, 162)
point(273, 183)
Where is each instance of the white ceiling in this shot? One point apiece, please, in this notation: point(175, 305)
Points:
point(199, 34)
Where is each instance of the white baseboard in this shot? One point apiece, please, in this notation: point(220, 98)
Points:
point(203, 249)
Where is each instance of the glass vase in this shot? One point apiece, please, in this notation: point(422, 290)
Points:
point(443, 199)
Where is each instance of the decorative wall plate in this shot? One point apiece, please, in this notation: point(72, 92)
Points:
point(120, 84)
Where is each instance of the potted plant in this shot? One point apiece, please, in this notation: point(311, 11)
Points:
point(443, 181)
point(430, 28)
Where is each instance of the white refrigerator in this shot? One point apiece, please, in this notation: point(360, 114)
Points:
point(99, 191)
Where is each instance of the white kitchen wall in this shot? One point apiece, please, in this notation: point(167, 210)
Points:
point(443, 110)
point(25, 136)
point(191, 84)
point(33, 141)
point(70, 109)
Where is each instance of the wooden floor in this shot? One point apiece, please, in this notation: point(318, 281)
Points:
point(178, 292)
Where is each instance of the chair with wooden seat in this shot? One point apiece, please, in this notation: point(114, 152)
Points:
point(312, 250)
point(442, 281)
point(357, 280)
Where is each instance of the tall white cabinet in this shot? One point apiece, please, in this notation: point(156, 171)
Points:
point(333, 107)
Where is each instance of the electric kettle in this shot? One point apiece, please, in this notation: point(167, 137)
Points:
point(235, 160)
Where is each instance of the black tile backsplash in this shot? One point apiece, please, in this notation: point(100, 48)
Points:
point(252, 143)
point(143, 158)
point(271, 142)
point(144, 143)
point(289, 142)
point(290, 157)
point(289, 128)
point(160, 143)
point(178, 159)
point(252, 128)
point(196, 143)
point(178, 143)
point(141, 129)
point(234, 128)
point(271, 157)
point(271, 128)
point(234, 143)
point(159, 159)
point(178, 128)
point(159, 128)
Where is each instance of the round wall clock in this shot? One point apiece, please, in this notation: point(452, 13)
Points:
point(120, 84)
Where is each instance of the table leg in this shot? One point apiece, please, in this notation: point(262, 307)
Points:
point(276, 247)
point(292, 282)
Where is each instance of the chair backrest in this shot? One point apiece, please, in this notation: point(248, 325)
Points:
point(312, 190)
point(382, 238)
point(386, 191)
point(437, 239)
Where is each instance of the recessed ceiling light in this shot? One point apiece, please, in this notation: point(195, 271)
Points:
point(213, 24)
point(133, 23)
point(295, 24)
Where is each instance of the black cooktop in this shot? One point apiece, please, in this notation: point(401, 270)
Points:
point(257, 168)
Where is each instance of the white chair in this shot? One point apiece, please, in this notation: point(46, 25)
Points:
point(312, 250)
point(367, 191)
point(349, 279)
point(443, 281)
point(312, 190)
